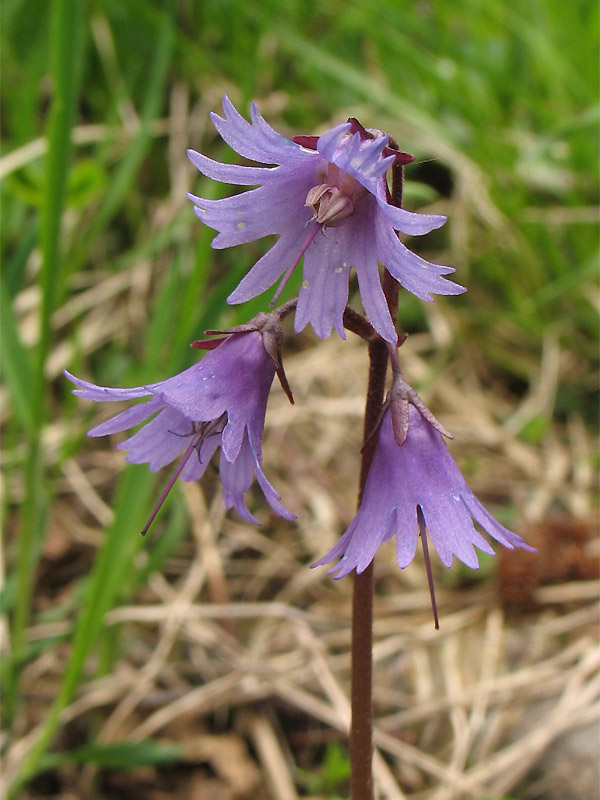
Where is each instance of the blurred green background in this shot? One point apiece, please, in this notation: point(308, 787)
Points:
point(497, 101)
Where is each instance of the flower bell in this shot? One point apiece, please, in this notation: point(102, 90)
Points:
point(410, 488)
point(219, 402)
point(327, 200)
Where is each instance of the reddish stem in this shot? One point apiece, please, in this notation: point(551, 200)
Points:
point(361, 730)
point(355, 322)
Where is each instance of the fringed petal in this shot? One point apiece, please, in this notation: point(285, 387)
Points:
point(283, 254)
point(232, 173)
point(408, 222)
point(419, 276)
point(89, 391)
point(324, 292)
point(253, 141)
point(160, 441)
point(127, 419)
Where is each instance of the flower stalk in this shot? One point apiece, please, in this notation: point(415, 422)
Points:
point(361, 730)
point(361, 691)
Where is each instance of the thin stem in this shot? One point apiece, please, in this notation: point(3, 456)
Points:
point(286, 309)
point(355, 322)
point(397, 184)
point(361, 730)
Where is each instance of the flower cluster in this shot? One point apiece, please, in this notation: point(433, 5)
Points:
point(327, 200)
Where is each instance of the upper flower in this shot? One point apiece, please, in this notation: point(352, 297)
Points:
point(220, 401)
point(329, 204)
point(417, 481)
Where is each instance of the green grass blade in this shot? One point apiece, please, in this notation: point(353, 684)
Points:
point(120, 755)
point(109, 575)
point(66, 39)
point(16, 366)
point(128, 170)
point(66, 43)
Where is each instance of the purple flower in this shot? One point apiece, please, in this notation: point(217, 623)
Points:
point(220, 401)
point(409, 488)
point(329, 204)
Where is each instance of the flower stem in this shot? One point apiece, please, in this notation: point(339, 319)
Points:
point(355, 322)
point(361, 729)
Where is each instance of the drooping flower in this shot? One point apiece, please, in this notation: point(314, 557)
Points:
point(330, 204)
point(219, 402)
point(411, 487)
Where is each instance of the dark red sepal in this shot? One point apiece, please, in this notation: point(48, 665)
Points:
point(207, 344)
point(310, 142)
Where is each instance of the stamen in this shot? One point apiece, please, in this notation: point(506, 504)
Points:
point(206, 429)
point(423, 535)
point(191, 432)
point(297, 257)
point(164, 494)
